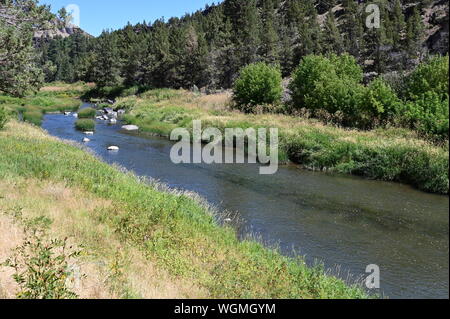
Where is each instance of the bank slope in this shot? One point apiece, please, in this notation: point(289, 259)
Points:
point(174, 230)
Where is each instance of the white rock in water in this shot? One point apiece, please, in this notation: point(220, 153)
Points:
point(112, 121)
point(85, 140)
point(89, 133)
point(113, 148)
point(66, 113)
point(130, 128)
point(75, 115)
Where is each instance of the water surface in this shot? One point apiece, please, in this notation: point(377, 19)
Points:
point(345, 222)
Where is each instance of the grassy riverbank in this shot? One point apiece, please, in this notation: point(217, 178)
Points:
point(136, 234)
point(57, 97)
point(385, 154)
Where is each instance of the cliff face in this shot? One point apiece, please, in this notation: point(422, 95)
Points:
point(436, 21)
point(58, 29)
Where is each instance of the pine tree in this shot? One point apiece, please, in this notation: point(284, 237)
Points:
point(19, 71)
point(332, 39)
point(399, 25)
point(106, 68)
point(414, 34)
point(269, 49)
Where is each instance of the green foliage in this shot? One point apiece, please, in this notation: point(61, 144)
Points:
point(41, 264)
point(33, 116)
point(19, 72)
point(3, 117)
point(258, 84)
point(85, 125)
point(381, 101)
point(87, 113)
point(330, 83)
point(429, 77)
point(429, 115)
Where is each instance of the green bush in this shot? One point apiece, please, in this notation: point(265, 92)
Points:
point(258, 84)
point(381, 101)
point(330, 83)
point(85, 125)
point(87, 113)
point(429, 115)
point(429, 77)
point(33, 117)
point(3, 117)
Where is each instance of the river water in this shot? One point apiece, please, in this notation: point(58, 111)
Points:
point(346, 223)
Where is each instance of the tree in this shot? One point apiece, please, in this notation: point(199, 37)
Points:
point(414, 34)
point(269, 49)
point(19, 72)
point(332, 39)
point(106, 68)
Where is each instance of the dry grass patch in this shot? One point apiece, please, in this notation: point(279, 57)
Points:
point(112, 268)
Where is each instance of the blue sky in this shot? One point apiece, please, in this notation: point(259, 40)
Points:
point(97, 15)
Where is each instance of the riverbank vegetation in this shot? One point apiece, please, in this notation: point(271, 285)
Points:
point(112, 213)
point(55, 97)
point(386, 153)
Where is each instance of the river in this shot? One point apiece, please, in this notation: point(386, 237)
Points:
point(346, 223)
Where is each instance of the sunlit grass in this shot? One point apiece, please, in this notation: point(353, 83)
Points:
point(175, 230)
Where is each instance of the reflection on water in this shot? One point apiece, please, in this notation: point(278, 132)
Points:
point(340, 221)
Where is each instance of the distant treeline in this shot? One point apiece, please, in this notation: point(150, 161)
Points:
point(209, 47)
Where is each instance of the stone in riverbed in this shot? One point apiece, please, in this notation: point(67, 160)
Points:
point(113, 148)
point(86, 140)
point(130, 128)
point(88, 133)
point(112, 121)
point(66, 113)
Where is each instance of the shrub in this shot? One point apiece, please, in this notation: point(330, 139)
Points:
point(40, 263)
point(429, 115)
point(429, 77)
point(33, 117)
point(329, 83)
point(87, 113)
point(258, 84)
point(85, 125)
point(3, 117)
point(381, 101)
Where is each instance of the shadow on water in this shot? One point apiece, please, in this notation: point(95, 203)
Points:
point(345, 222)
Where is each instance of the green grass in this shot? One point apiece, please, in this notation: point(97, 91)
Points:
point(85, 125)
point(87, 113)
point(391, 154)
point(175, 230)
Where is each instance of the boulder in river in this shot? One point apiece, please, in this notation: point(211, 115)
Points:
point(113, 121)
point(86, 140)
point(66, 113)
point(75, 115)
point(113, 148)
point(130, 128)
point(89, 133)
point(108, 110)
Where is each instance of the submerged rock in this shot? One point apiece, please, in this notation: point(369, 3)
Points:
point(130, 127)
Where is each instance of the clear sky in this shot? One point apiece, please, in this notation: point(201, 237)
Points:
point(97, 15)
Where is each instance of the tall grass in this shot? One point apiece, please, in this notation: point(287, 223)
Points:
point(173, 229)
point(390, 154)
point(85, 125)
